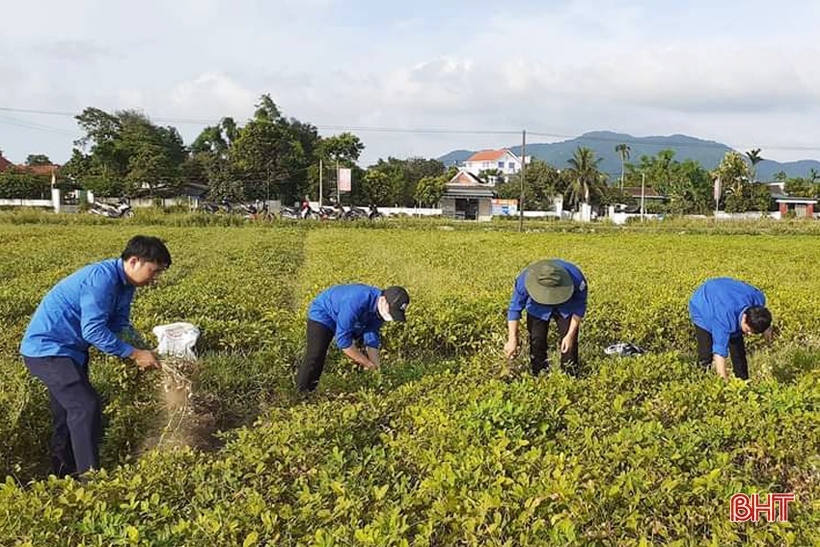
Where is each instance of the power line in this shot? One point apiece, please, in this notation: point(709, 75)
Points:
point(44, 112)
point(325, 127)
point(419, 130)
point(35, 126)
point(448, 131)
point(74, 114)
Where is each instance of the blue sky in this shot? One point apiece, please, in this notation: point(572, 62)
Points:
point(743, 73)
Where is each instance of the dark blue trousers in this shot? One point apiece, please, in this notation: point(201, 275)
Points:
point(76, 414)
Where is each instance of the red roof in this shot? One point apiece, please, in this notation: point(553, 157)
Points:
point(33, 169)
point(36, 169)
point(465, 178)
point(488, 155)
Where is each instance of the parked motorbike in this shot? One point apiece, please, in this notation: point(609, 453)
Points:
point(209, 207)
point(292, 213)
point(373, 213)
point(247, 210)
point(356, 213)
point(262, 211)
point(332, 213)
point(121, 210)
point(299, 213)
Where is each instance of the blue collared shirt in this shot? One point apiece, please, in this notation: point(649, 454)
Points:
point(718, 305)
point(576, 305)
point(350, 311)
point(84, 309)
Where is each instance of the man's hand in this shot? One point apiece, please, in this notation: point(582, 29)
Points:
point(373, 355)
point(145, 359)
point(363, 360)
point(566, 343)
point(370, 365)
point(720, 366)
point(511, 347)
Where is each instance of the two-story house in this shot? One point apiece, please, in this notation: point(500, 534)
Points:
point(503, 161)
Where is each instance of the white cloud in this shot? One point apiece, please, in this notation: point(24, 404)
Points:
point(734, 71)
point(211, 91)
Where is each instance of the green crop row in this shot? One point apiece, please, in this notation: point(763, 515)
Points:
point(448, 444)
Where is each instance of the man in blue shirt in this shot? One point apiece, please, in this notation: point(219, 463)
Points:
point(548, 289)
point(723, 311)
point(348, 313)
point(87, 308)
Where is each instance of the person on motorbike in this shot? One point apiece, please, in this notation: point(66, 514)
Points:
point(304, 208)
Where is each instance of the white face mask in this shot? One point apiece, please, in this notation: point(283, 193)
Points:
point(384, 310)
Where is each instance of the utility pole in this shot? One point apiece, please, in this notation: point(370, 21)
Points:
point(338, 190)
point(643, 184)
point(523, 176)
point(321, 170)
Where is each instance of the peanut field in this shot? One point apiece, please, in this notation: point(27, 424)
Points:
point(449, 444)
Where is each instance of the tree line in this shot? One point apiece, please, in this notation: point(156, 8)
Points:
point(687, 185)
point(273, 156)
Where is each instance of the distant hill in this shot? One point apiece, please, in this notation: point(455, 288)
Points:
point(455, 157)
point(708, 153)
point(766, 169)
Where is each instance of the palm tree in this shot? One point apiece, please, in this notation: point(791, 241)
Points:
point(754, 158)
point(230, 129)
point(623, 150)
point(585, 177)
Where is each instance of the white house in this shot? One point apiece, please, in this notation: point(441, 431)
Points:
point(503, 160)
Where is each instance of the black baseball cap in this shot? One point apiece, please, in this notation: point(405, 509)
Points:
point(398, 300)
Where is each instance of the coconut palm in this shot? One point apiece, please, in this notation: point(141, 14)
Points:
point(754, 158)
point(585, 178)
point(623, 150)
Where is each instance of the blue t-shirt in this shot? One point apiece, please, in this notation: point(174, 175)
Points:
point(350, 311)
point(717, 307)
point(576, 305)
point(84, 309)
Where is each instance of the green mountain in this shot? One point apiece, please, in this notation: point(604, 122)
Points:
point(708, 153)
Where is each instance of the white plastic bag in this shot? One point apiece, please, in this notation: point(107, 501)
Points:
point(177, 339)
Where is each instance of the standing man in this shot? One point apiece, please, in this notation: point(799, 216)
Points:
point(87, 308)
point(348, 313)
point(548, 289)
point(723, 311)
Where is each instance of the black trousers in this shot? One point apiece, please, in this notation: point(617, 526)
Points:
point(539, 350)
point(737, 351)
point(318, 341)
point(76, 414)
